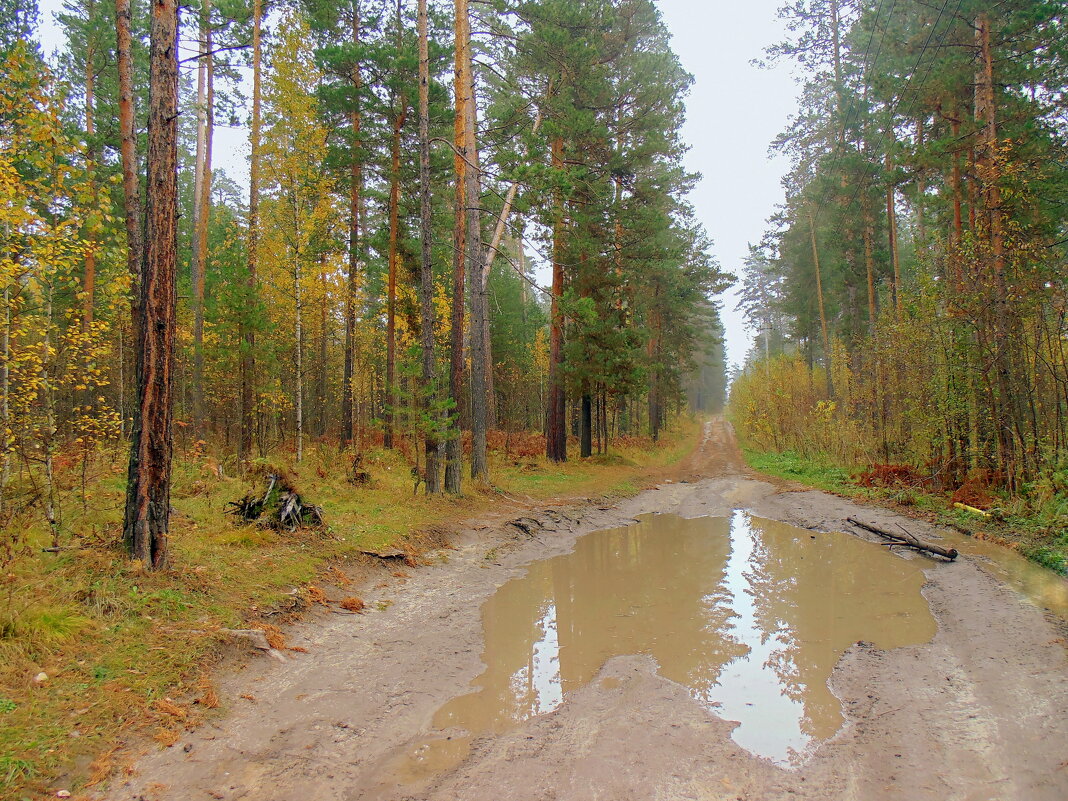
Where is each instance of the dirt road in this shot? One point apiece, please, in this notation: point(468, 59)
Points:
point(978, 712)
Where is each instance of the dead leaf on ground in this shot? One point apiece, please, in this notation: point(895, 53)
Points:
point(208, 698)
point(248, 697)
point(100, 768)
point(400, 574)
point(338, 577)
point(352, 604)
point(299, 649)
point(168, 707)
point(274, 635)
point(316, 595)
point(167, 737)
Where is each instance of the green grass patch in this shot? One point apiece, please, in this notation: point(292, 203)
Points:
point(817, 473)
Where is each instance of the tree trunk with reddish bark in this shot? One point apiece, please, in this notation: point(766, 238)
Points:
point(148, 496)
point(426, 273)
point(454, 444)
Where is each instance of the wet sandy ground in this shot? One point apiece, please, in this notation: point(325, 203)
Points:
point(979, 712)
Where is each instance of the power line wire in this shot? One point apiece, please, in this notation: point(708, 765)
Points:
point(912, 103)
point(908, 82)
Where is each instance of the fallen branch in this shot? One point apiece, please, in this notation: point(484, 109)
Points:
point(905, 538)
point(526, 525)
point(387, 552)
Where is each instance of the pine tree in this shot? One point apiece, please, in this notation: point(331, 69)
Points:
point(151, 447)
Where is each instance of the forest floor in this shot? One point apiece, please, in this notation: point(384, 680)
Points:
point(978, 712)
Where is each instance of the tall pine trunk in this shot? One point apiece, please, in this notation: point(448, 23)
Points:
point(487, 353)
point(128, 150)
point(555, 430)
point(1009, 413)
point(585, 426)
point(819, 299)
point(653, 353)
point(89, 278)
point(454, 444)
point(394, 259)
point(891, 232)
point(400, 116)
point(322, 387)
point(348, 405)
point(248, 334)
point(836, 55)
point(869, 259)
point(202, 206)
point(958, 221)
point(426, 273)
point(921, 190)
point(475, 256)
point(147, 514)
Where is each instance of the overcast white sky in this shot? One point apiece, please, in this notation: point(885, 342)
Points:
point(734, 111)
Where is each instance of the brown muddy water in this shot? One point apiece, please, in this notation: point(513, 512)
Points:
point(751, 615)
point(1039, 585)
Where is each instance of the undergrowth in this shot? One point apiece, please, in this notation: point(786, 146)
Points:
point(94, 650)
point(1035, 524)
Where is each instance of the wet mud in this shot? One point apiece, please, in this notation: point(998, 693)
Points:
point(750, 615)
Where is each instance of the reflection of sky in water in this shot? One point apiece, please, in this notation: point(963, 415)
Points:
point(548, 693)
point(750, 688)
point(750, 615)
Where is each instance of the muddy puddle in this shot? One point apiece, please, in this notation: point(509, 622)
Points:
point(1039, 585)
point(750, 615)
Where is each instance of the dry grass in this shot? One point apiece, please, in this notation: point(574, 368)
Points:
point(274, 635)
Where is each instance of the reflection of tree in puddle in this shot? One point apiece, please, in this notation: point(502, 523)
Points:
point(652, 588)
point(801, 600)
point(749, 614)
